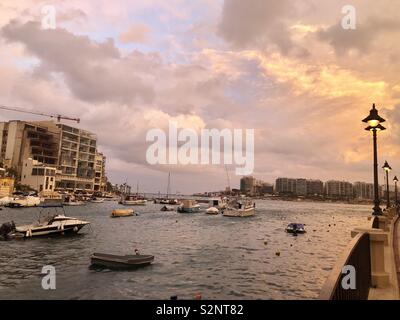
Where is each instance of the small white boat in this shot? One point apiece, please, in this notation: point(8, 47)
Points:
point(24, 202)
point(72, 201)
point(219, 203)
point(97, 200)
point(133, 201)
point(212, 210)
point(189, 206)
point(51, 225)
point(240, 208)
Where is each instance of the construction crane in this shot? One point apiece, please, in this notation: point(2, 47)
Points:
point(59, 117)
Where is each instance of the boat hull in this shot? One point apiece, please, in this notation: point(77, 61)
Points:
point(49, 231)
point(239, 213)
point(120, 262)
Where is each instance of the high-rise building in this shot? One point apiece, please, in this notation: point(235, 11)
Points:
point(363, 190)
point(247, 184)
point(339, 189)
point(301, 187)
point(315, 187)
point(285, 186)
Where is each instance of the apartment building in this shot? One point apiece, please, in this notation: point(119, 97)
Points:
point(315, 187)
point(100, 179)
point(339, 189)
point(38, 176)
point(70, 150)
point(247, 184)
point(21, 140)
point(285, 186)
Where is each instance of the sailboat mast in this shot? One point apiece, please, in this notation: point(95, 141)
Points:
point(169, 182)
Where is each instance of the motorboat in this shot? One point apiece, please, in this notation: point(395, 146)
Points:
point(167, 208)
point(212, 210)
point(240, 208)
point(133, 201)
point(6, 200)
point(119, 213)
point(168, 201)
point(295, 228)
point(219, 203)
point(23, 202)
point(72, 201)
point(189, 206)
point(51, 225)
point(112, 261)
point(97, 200)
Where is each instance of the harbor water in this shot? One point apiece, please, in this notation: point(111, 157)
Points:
point(216, 256)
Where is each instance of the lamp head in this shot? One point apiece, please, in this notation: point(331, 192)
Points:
point(395, 179)
point(386, 167)
point(378, 128)
point(373, 118)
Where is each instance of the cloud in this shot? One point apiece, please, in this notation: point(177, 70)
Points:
point(93, 71)
point(135, 34)
point(362, 38)
point(257, 22)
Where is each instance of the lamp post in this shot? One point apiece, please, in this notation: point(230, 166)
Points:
point(374, 125)
point(395, 190)
point(387, 168)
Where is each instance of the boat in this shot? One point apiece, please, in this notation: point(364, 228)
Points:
point(212, 210)
point(24, 202)
point(168, 200)
point(167, 208)
point(133, 200)
point(72, 201)
point(295, 228)
point(118, 213)
point(120, 262)
point(240, 208)
point(6, 200)
point(97, 200)
point(51, 225)
point(219, 203)
point(189, 206)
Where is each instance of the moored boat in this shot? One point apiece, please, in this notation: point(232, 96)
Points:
point(133, 200)
point(295, 228)
point(51, 225)
point(120, 262)
point(97, 200)
point(23, 202)
point(189, 206)
point(240, 208)
point(119, 213)
point(212, 210)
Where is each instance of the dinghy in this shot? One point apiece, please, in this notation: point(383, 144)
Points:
point(120, 262)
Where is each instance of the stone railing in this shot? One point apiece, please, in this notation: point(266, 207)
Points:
point(371, 253)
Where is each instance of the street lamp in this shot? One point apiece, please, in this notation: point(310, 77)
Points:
point(374, 124)
point(395, 190)
point(387, 168)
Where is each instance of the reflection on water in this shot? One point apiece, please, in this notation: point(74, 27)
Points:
point(220, 257)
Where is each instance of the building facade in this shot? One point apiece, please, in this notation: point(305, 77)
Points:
point(70, 150)
point(315, 187)
point(339, 189)
point(39, 176)
point(247, 184)
point(100, 179)
point(285, 186)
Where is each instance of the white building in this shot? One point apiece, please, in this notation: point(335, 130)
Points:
point(38, 176)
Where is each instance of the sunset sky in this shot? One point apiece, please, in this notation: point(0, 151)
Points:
point(286, 69)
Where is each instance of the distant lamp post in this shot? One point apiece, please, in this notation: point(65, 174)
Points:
point(374, 124)
point(395, 190)
point(387, 168)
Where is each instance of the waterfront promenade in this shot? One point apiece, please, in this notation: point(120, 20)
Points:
point(375, 254)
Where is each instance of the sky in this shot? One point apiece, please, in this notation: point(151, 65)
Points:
point(286, 69)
